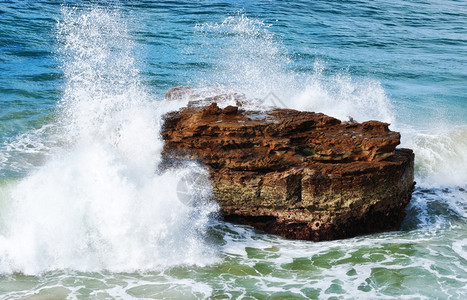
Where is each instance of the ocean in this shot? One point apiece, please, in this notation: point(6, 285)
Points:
point(85, 212)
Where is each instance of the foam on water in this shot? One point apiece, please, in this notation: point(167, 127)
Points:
point(395, 260)
point(440, 161)
point(27, 151)
point(266, 74)
point(97, 202)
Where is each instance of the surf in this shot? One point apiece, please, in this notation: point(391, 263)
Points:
point(98, 202)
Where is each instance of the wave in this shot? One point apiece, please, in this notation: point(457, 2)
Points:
point(94, 201)
point(97, 202)
point(441, 155)
point(255, 62)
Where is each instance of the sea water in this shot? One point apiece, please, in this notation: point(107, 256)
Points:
point(86, 212)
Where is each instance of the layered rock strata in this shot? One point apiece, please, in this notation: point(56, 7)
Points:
point(300, 175)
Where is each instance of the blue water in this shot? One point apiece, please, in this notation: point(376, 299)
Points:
point(83, 212)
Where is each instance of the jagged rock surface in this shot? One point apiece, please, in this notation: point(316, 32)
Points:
point(301, 175)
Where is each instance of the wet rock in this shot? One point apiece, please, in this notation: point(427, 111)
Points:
point(301, 175)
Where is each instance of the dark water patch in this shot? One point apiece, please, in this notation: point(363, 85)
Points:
point(29, 53)
point(32, 94)
point(43, 77)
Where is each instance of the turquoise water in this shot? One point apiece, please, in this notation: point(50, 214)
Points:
point(84, 211)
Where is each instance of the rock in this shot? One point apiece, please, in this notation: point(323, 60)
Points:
point(179, 92)
point(301, 175)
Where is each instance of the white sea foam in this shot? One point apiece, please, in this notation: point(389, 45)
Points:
point(97, 203)
point(460, 247)
point(367, 267)
point(26, 151)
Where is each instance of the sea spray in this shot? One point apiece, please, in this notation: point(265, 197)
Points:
point(440, 154)
point(343, 97)
point(256, 63)
point(251, 59)
point(97, 203)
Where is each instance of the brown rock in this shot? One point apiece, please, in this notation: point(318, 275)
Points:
point(301, 175)
point(230, 110)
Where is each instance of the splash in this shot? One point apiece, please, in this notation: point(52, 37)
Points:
point(97, 202)
point(252, 60)
point(255, 62)
point(440, 155)
point(342, 97)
